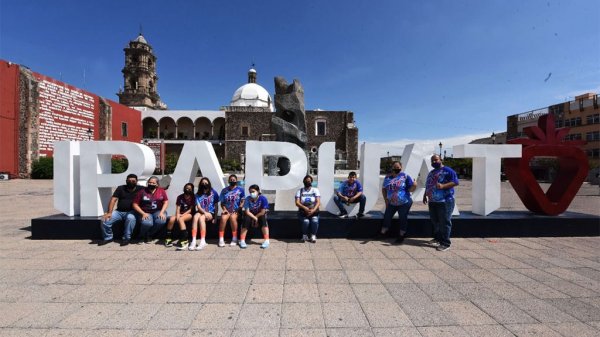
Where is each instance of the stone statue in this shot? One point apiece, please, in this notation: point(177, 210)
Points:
point(289, 120)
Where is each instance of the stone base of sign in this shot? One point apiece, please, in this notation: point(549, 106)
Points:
point(285, 225)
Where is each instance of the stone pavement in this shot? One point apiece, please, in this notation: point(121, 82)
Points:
point(481, 287)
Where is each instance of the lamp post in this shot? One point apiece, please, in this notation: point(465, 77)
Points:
point(89, 133)
point(440, 145)
point(493, 138)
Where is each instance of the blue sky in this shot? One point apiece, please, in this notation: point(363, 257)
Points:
point(424, 71)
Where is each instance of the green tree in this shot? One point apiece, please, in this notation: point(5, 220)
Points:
point(43, 168)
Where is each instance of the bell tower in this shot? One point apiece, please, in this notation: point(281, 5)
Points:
point(139, 74)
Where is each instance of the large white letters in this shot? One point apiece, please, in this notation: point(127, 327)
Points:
point(66, 177)
point(486, 172)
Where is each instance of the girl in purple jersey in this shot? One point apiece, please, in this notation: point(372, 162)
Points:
point(256, 208)
point(232, 201)
point(184, 211)
point(206, 211)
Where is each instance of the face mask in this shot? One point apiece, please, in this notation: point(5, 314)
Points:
point(396, 171)
point(307, 184)
point(232, 183)
point(204, 187)
point(151, 187)
point(188, 191)
point(254, 195)
point(131, 185)
point(436, 165)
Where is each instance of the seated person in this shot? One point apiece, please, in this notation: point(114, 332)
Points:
point(207, 200)
point(256, 208)
point(123, 198)
point(350, 192)
point(184, 212)
point(151, 204)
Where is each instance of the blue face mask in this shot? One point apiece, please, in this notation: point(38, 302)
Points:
point(436, 165)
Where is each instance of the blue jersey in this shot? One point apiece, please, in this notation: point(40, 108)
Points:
point(257, 205)
point(442, 175)
point(397, 188)
point(231, 198)
point(208, 202)
point(349, 190)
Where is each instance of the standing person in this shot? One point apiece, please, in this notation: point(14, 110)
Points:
point(184, 212)
point(350, 192)
point(396, 193)
point(206, 205)
point(256, 207)
point(151, 206)
point(439, 193)
point(232, 201)
point(123, 198)
point(308, 200)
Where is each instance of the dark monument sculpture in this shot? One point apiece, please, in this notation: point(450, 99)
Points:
point(289, 120)
point(547, 141)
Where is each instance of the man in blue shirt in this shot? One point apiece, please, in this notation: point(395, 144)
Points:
point(439, 194)
point(350, 192)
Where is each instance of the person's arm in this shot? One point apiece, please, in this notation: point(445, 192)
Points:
point(317, 204)
point(446, 186)
point(163, 210)
point(111, 206)
point(139, 210)
point(356, 196)
point(413, 185)
point(300, 206)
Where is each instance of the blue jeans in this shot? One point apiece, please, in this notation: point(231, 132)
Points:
point(362, 200)
point(152, 225)
point(128, 219)
point(310, 225)
point(441, 218)
point(402, 216)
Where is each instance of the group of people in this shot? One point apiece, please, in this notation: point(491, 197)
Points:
point(147, 206)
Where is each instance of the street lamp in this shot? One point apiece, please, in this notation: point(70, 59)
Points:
point(493, 138)
point(440, 144)
point(89, 133)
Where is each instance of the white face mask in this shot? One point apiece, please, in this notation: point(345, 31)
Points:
point(254, 195)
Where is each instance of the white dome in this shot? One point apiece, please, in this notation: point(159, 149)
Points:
point(252, 94)
point(141, 39)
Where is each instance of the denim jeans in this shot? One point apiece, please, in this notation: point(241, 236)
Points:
point(402, 216)
point(441, 218)
point(310, 225)
point(152, 225)
point(362, 200)
point(128, 219)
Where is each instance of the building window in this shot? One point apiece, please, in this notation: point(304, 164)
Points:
point(590, 136)
point(593, 119)
point(245, 131)
point(123, 129)
point(593, 153)
point(574, 136)
point(320, 127)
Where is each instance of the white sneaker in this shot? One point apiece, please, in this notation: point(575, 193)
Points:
point(304, 238)
point(313, 238)
point(234, 242)
point(192, 245)
point(221, 243)
point(201, 245)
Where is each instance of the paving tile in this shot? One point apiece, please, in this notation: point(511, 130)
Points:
point(440, 291)
point(385, 314)
point(349, 332)
point(327, 264)
point(482, 275)
point(576, 308)
point(174, 316)
point(237, 277)
point(426, 313)
point(90, 315)
point(527, 330)
point(571, 289)
point(355, 264)
point(349, 315)
point(255, 332)
point(331, 276)
point(265, 293)
point(206, 276)
point(12, 312)
point(302, 315)
point(541, 290)
point(442, 331)
point(509, 291)
point(161, 333)
point(302, 332)
point(336, 293)
point(473, 291)
point(299, 264)
point(407, 292)
point(157, 293)
point(452, 275)
point(259, 315)
point(268, 263)
point(132, 316)
point(392, 276)
point(371, 293)
point(362, 276)
point(191, 293)
point(208, 332)
point(543, 311)
point(487, 331)
point(228, 293)
point(575, 329)
point(213, 316)
point(466, 313)
point(504, 312)
point(300, 276)
point(299, 293)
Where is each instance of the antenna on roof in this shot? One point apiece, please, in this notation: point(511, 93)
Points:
point(140, 29)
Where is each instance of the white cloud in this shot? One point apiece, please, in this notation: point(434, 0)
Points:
point(395, 147)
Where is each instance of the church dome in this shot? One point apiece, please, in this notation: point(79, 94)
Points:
point(141, 39)
point(252, 94)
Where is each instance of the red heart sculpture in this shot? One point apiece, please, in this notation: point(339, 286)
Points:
point(545, 140)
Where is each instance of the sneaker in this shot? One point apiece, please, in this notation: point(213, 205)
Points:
point(168, 242)
point(148, 239)
point(265, 245)
point(359, 215)
point(182, 245)
point(192, 245)
point(234, 242)
point(201, 245)
point(343, 215)
point(399, 240)
point(221, 243)
point(105, 242)
point(313, 238)
point(442, 248)
point(124, 243)
point(433, 242)
point(243, 244)
point(305, 238)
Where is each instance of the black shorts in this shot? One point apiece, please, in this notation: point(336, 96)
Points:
point(262, 221)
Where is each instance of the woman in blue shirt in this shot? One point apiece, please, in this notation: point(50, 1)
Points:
point(396, 192)
point(232, 201)
point(256, 207)
point(206, 211)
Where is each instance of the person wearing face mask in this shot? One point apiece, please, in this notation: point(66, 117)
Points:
point(396, 193)
point(232, 201)
point(308, 200)
point(123, 198)
point(350, 192)
point(184, 212)
point(206, 205)
point(151, 205)
point(439, 195)
point(256, 207)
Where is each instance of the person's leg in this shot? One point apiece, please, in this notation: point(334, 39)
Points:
point(362, 201)
point(222, 223)
point(233, 220)
point(245, 225)
point(158, 223)
point(106, 227)
point(338, 203)
point(403, 217)
point(304, 223)
point(314, 227)
point(434, 216)
point(446, 224)
point(387, 218)
point(169, 236)
point(262, 222)
point(195, 222)
point(129, 225)
point(183, 233)
point(204, 218)
point(145, 225)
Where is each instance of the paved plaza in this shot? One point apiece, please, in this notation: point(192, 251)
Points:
point(336, 287)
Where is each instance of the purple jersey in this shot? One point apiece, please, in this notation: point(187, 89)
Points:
point(186, 204)
point(231, 198)
point(398, 188)
point(256, 205)
point(151, 202)
point(208, 202)
point(442, 175)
